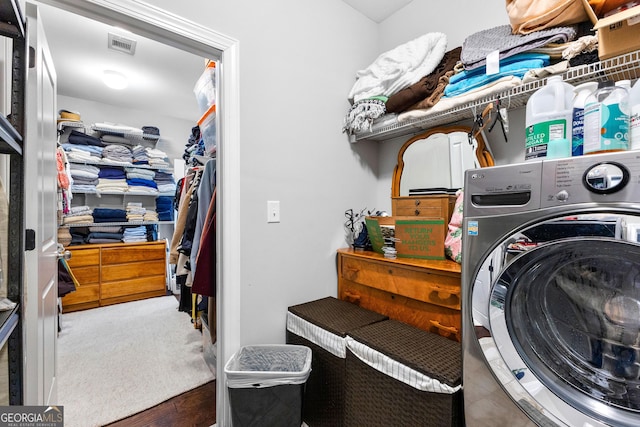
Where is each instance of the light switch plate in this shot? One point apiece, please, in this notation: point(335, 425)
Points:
point(273, 211)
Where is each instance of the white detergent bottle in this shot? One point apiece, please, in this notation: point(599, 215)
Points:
point(548, 117)
point(634, 120)
point(582, 91)
point(606, 119)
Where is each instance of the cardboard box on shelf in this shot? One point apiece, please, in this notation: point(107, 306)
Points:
point(617, 34)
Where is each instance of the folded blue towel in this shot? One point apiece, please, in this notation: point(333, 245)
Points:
point(467, 81)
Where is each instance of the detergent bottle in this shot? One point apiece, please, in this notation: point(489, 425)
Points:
point(606, 119)
point(548, 118)
point(582, 91)
point(634, 120)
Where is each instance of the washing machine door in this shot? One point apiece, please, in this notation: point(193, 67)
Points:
point(564, 322)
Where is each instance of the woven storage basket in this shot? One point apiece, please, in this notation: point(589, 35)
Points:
point(322, 325)
point(416, 380)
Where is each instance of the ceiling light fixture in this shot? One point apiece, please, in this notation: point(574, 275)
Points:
point(114, 79)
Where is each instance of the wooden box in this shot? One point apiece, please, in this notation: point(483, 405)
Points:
point(431, 206)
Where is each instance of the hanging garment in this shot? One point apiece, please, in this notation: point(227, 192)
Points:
point(183, 207)
point(205, 192)
point(204, 280)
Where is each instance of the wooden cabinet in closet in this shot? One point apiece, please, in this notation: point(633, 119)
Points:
point(116, 272)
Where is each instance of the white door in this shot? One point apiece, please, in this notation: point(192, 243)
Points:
point(40, 321)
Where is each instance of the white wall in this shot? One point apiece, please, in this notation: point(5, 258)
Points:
point(297, 64)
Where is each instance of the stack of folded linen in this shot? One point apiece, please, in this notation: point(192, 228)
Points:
point(158, 158)
point(151, 215)
point(135, 234)
point(164, 208)
point(112, 179)
point(101, 215)
point(166, 183)
point(135, 211)
point(104, 237)
point(140, 156)
point(85, 177)
point(141, 185)
point(141, 180)
point(117, 154)
point(77, 215)
point(81, 146)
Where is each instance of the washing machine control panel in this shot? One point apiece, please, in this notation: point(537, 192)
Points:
point(603, 178)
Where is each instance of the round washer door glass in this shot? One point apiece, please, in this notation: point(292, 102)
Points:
point(572, 309)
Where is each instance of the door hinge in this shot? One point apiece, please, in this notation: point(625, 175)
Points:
point(29, 239)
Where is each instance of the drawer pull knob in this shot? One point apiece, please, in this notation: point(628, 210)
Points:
point(417, 202)
point(447, 329)
point(350, 273)
point(417, 212)
point(351, 297)
point(444, 296)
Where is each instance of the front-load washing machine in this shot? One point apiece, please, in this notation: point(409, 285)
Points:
point(551, 293)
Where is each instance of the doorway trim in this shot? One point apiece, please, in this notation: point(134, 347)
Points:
point(173, 30)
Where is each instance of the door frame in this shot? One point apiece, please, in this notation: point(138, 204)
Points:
point(166, 27)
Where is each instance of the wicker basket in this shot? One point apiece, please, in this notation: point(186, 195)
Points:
point(421, 384)
point(322, 325)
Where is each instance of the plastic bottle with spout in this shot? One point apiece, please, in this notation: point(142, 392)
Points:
point(606, 119)
point(634, 120)
point(582, 91)
point(548, 118)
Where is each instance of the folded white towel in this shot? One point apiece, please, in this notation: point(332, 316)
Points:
point(400, 67)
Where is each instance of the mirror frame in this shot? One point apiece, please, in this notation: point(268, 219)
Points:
point(397, 171)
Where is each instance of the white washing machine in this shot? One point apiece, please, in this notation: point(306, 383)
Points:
point(551, 293)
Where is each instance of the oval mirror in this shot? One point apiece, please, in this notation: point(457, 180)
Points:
point(437, 159)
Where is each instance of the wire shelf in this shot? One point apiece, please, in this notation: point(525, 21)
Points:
point(623, 67)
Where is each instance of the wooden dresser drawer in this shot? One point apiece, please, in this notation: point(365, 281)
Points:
point(419, 284)
point(428, 317)
point(126, 288)
point(83, 257)
point(85, 296)
point(132, 270)
point(433, 206)
point(133, 253)
point(87, 275)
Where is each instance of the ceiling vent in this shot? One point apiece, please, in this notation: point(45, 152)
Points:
point(122, 44)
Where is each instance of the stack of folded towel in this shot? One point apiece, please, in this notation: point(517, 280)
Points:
point(85, 177)
point(166, 183)
point(77, 215)
point(112, 179)
point(116, 153)
point(135, 211)
point(109, 215)
point(135, 234)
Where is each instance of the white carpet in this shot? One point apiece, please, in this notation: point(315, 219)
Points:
point(118, 360)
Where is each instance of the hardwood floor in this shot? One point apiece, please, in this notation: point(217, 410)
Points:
point(195, 408)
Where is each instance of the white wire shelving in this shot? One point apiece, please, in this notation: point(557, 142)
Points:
point(623, 67)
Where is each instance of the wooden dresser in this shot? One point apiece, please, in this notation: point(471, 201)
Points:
point(116, 272)
point(422, 293)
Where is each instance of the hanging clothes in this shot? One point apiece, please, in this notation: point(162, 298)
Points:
point(204, 281)
point(190, 183)
point(205, 193)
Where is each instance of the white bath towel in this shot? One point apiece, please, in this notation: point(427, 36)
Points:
point(400, 67)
